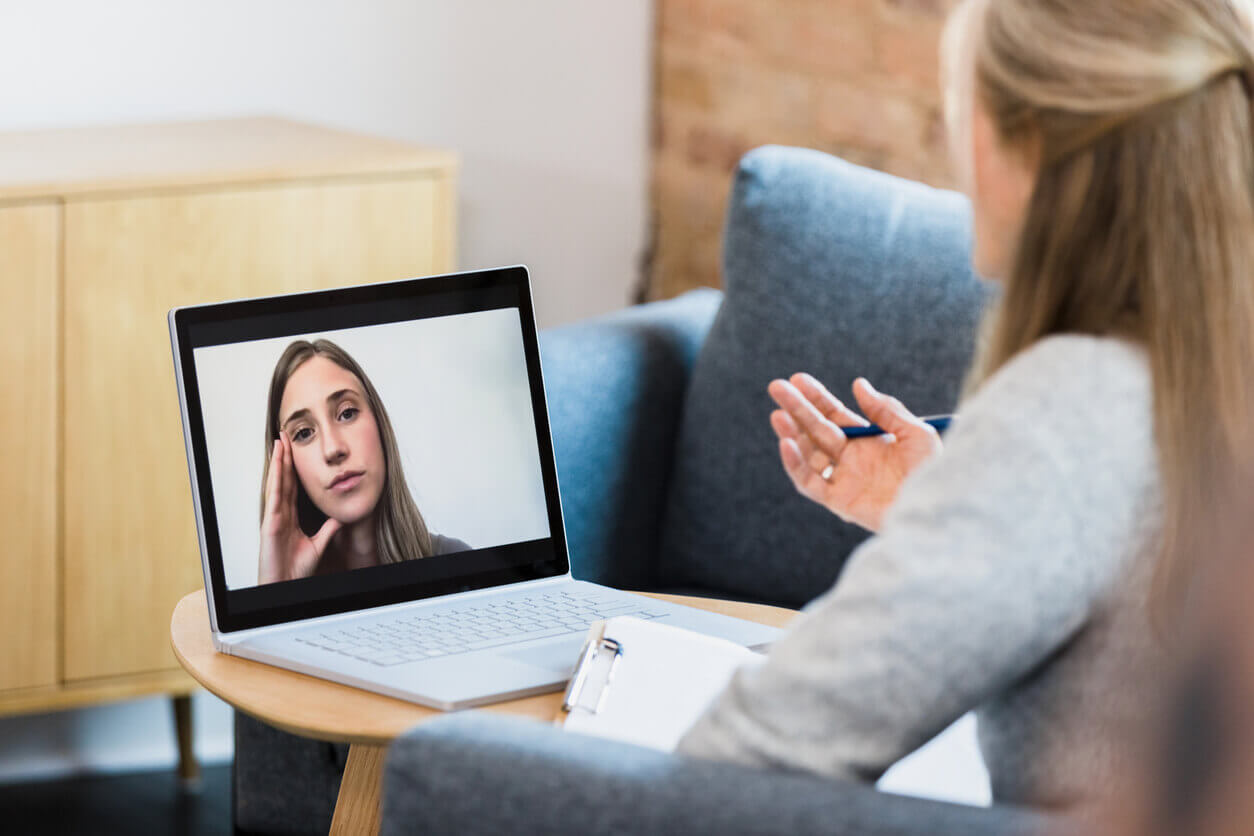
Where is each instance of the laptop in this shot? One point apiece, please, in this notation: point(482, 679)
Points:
point(376, 495)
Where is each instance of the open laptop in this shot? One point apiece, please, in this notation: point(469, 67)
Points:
point(404, 531)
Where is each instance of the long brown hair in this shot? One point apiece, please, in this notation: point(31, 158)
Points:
point(1141, 223)
point(400, 531)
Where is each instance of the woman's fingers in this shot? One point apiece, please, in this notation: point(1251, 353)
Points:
point(289, 473)
point(887, 411)
point(815, 453)
point(786, 427)
point(273, 479)
point(804, 478)
point(281, 483)
point(830, 406)
point(324, 535)
point(790, 455)
point(825, 434)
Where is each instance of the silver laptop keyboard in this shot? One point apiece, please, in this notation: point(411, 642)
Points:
point(409, 638)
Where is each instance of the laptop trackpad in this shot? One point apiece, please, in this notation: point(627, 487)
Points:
point(558, 655)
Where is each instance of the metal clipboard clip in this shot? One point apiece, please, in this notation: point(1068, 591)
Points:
point(598, 653)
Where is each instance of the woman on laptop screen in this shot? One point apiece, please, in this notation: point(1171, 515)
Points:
point(333, 495)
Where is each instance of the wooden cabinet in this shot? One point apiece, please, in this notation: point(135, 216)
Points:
point(102, 231)
point(29, 245)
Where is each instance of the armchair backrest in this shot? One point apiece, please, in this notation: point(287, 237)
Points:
point(832, 269)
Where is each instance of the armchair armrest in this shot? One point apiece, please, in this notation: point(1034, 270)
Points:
point(615, 386)
point(483, 773)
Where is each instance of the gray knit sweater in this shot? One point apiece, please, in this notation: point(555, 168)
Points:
point(1009, 577)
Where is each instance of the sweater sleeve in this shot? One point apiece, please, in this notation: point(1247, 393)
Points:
point(990, 560)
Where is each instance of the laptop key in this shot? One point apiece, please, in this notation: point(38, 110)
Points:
point(487, 625)
point(618, 608)
point(516, 638)
point(394, 659)
point(595, 598)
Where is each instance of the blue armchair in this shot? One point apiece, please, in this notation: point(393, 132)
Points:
point(670, 481)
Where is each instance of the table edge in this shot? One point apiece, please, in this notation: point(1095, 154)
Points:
point(330, 735)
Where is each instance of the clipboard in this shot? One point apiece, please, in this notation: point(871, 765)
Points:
point(646, 683)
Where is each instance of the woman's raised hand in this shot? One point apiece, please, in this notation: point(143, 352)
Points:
point(856, 480)
point(286, 551)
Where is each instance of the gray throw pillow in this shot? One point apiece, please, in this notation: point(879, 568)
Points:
point(832, 269)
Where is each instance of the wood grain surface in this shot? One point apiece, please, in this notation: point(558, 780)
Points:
point(29, 354)
point(325, 710)
point(130, 538)
point(84, 692)
point(133, 159)
point(357, 808)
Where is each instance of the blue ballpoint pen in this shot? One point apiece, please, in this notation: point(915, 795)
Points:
point(940, 422)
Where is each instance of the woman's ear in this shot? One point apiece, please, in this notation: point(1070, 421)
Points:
point(1005, 170)
point(1004, 176)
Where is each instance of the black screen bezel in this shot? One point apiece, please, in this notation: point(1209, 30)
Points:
point(407, 300)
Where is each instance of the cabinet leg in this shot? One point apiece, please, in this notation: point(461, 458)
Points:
point(361, 788)
point(189, 769)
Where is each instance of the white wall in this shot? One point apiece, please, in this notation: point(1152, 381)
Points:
point(547, 102)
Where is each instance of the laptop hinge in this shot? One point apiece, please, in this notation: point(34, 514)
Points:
point(224, 643)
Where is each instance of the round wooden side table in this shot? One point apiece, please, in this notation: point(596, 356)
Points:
point(324, 710)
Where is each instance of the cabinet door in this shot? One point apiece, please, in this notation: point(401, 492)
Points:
point(130, 541)
point(29, 282)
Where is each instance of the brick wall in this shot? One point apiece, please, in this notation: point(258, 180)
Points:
point(856, 78)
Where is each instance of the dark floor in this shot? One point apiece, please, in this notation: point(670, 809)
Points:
point(137, 802)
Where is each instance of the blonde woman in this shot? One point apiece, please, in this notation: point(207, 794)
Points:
point(1032, 569)
point(333, 495)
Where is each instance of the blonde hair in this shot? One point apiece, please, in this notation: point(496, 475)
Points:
point(1141, 223)
point(400, 531)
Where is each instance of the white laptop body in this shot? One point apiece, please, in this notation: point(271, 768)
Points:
point(491, 611)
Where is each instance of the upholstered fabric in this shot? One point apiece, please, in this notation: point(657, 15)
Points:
point(832, 269)
point(486, 774)
point(283, 784)
point(614, 387)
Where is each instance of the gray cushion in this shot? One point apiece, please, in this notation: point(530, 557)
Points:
point(615, 386)
point(489, 774)
point(836, 270)
point(283, 784)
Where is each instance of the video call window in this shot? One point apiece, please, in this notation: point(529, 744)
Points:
point(362, 447)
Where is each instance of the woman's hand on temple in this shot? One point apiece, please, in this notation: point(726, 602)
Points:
point(858, 480)
point(286, 551)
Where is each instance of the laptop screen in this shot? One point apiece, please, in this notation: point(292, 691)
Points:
point(367, 446)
